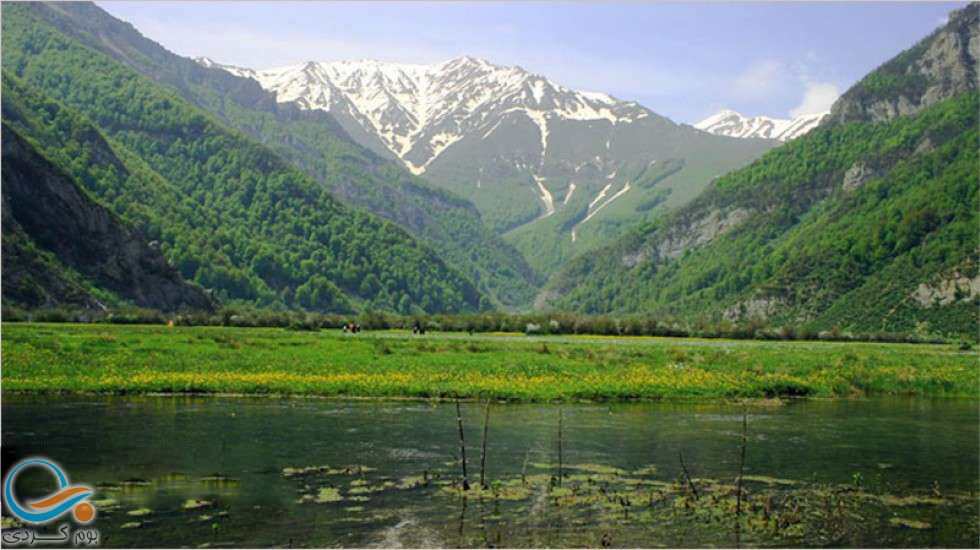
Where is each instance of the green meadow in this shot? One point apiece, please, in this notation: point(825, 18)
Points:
point(150, 359)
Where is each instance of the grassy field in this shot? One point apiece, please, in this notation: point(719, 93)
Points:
point(125, 358)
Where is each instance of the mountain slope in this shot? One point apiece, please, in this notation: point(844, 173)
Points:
point(730, 123)
point(61, 248)
point(867, 223)
point(417, 111)
point(314, 142)
point(229, 213)
point(531, 154)
point(940, 66)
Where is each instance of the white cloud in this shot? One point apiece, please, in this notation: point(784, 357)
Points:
point(760, 80)
point(819, 96)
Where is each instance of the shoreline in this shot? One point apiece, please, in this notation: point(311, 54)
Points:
point(755, 402)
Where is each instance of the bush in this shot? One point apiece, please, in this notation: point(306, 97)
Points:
point(51, 315)
point(12, 314)
point(304, 322)
point(136, 316)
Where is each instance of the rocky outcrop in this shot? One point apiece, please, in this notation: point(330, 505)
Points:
point(683, 237)
point(856, 176)
point(759, 307)
point(941, 66)
point(945, 291)
point(60, 241)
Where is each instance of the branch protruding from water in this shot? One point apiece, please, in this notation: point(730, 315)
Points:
point(483, 452)
point(687, 476)
point(738, 486)
point(462, 446)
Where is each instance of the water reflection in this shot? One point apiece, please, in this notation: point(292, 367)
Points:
point(214, 467)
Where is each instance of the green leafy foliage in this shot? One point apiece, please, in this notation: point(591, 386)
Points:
point(316, 144)
point(228, 212)
point(819, 252)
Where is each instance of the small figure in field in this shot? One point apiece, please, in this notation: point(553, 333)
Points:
point(352, 327)
point(418, 328)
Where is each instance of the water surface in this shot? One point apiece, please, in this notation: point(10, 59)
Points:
point(168, 444)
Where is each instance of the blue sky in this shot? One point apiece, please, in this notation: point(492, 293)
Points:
point(682, 60)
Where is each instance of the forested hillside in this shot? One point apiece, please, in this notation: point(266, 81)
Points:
point(867, 223)
point(229, 213)
point(60, 248)
point(316, 144)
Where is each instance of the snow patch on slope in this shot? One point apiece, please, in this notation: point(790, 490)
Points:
point(538, 118)
point(599, 196)
point(618, 194)
point(598, 204)
point(732, 124)
point(546, 198)
point(417, 111)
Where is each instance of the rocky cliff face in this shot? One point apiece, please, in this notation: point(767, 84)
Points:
point(941, 66)
point(57, 242)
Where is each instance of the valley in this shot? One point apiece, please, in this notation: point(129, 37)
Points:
point(466, 185)
point(514, 143)
point(495, 275)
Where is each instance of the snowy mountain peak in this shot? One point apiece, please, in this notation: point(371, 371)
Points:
point(417, 111)
point(730, 123)
point(206, 61)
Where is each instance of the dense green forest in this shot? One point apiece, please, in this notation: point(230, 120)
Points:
point(867, 223)
point(315, 143)
point(228, 212)
point(62, 248)
point(817, 251)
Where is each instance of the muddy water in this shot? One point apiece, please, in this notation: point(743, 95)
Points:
point(232, 471)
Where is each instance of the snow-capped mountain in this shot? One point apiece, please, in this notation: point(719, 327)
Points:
point(730, 123)
point(572, 166)
point(418, 111)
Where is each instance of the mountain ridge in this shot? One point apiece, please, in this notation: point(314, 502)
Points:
point(418, 110)
point(229, 212)
point(554, 170)
point(866, 223)
point(314, 142)
point(732, 123)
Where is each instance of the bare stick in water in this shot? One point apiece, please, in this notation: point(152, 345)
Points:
point(687, 476)
point(527, 456)
point(462, 446)
point(738, 486)
point(483, 452)
point(559, 446)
